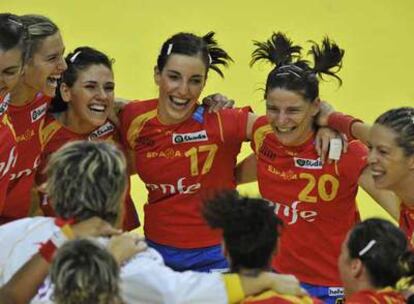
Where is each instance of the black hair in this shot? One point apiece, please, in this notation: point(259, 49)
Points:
point(13, 33)
point(382, 248)
point(192, 45)
point(293, 73)
point(79, 60)
point(401, 121)
point(250, 228)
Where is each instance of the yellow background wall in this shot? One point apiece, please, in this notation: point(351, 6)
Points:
point(377, 35)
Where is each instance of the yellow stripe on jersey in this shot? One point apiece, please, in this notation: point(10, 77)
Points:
point(47, 132)
point(259, 136)
point(6, 121)
point(220, 126)
point(233, 286)
point(137, 124)
point(271, 294)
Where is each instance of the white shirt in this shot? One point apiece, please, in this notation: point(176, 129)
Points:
point(144, 279)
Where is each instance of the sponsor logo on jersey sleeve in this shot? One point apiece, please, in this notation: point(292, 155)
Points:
point(179, 138)
point(314, 164)
point(39, 112)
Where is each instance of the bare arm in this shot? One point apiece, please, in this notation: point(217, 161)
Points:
point(360, 131)
point(246, 170)
point(281, 283)
point(251, 119)
point(23, 286)
point(386, 199)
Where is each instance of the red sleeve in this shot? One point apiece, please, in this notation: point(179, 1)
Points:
point(361, 298)
point(126, 115)
point(354, 161)
point(260, 122)
point(234, 123)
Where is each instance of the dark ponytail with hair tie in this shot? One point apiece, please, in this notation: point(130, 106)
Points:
point(278, 50)
point(192, 45)
point(327, 57)
point(217, 56)
point(293, 73)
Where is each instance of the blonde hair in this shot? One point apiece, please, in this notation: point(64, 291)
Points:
point(38, 28)
point(84, 272)
point(86, 179)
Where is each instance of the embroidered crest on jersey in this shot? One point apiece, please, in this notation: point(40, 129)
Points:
point(266, 152)
point(39, 112)
point(315, 164)
point(106, 128)
point(179, 138)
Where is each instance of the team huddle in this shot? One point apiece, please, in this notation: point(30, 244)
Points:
point(69, 146)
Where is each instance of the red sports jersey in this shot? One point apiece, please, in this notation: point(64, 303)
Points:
point(54, 135)
point(180, 164)
point(384, 296)
point(407, 222)
point(27, 121)
point(8, 151)
point(316, 202)
point(270, 297)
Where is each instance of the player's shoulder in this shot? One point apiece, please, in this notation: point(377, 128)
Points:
point(138, 110)
point(140, 105)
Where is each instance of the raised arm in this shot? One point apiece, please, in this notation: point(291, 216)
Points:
point(350, 126)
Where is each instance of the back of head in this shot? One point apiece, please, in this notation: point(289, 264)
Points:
point(83, 272)
point(250, 228)
point(192, 45)
point(290, 71)
point(86, 179)
point(382, 249)
point(38, 28)
point(12, 33)
point(401, 121)
point(79, 60)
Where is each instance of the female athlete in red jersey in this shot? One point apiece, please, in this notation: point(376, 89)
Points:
point(183, 153)
point(80, 112)
point(391, 156)
point(27, 109)
point(12, 50)
point(315, 200)
point(374, 257)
